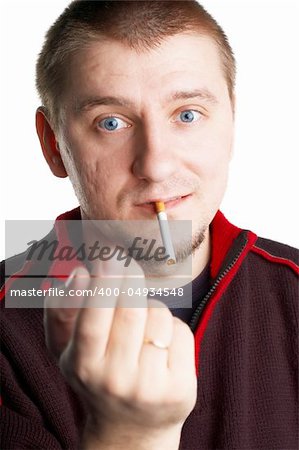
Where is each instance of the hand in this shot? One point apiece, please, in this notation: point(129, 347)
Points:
point(137, 395)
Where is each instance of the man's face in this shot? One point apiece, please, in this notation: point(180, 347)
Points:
point(145, 126)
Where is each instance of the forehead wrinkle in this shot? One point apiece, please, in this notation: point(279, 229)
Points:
point(90, 102)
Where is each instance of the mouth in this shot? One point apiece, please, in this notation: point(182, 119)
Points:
point(170, 202)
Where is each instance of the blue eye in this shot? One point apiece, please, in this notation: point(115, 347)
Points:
point(112, 123)
point(189, 116)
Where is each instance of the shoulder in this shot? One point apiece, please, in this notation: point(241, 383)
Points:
point(277, 253)
point(23, 262)
point(11, 266)
point(271, 271)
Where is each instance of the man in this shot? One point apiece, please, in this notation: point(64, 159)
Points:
point(138, 107)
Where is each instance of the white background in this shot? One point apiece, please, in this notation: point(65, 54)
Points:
point(263, 187)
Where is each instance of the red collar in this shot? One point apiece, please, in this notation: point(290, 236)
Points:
point(223, 233)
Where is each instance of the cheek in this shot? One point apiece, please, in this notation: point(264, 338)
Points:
point(90, 176)
point(93, 176)
point(211, 146)
point(216, 164)
point(217, 156)
point(211, 160)
point(211, 164)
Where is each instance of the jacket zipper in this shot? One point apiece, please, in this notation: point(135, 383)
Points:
point(197, 313)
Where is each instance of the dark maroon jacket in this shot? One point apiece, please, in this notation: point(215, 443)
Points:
point(246, 354)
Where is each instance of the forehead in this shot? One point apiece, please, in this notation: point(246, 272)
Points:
point(180, 62)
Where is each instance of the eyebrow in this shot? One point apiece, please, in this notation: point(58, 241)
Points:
point(91, 102)
point(202, 94)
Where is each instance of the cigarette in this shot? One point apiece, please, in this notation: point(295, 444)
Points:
point(165, 232)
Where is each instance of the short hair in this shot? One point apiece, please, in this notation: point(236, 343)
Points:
point(141, 25)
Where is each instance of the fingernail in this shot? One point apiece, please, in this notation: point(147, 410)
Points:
point(70, 278)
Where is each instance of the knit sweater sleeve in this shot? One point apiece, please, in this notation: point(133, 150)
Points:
point(38, 407)
point(20, 431)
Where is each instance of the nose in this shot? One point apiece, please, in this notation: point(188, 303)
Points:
point(155, 158)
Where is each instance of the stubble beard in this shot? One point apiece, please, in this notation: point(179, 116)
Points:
point(185, 245)
point(183, 250)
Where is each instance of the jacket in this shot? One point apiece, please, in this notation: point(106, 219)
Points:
point(245, 332)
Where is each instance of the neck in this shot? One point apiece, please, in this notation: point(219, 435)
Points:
point(201, 255)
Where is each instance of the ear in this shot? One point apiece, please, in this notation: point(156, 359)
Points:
point(49, 144)
point(233, 104)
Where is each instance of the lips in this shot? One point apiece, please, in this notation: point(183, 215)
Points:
point(169, 201)
point(164, 201)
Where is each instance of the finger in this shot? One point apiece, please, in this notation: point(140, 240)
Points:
point(94, 321)
point(181, 362)
point(153, 368)
point(159, 325)
point(127, 331)
point(59, 320)
point(181, 354)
